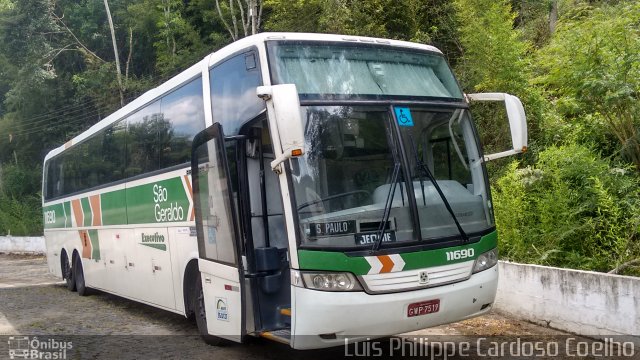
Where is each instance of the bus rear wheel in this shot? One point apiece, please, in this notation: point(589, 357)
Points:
point(201, 315)
point(67, 272)
point(81, 286)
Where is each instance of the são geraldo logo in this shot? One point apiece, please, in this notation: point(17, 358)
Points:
point(25, 347)
point(162, 211)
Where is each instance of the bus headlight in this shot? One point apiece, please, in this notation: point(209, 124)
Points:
point(486, 260)
point(326, 281)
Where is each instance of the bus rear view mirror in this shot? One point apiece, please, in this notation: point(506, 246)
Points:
point(517, 122)
point(285, 122)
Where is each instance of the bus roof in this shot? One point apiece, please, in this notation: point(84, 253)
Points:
point(193, 71)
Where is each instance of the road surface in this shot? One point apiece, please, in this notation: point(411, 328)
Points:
point(37, 305)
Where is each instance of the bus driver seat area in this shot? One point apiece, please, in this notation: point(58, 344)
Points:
point(271, 282)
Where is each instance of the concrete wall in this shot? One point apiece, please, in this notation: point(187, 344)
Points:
point(581, 302)
point(22, 244)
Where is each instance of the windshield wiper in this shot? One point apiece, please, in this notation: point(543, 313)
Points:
point(387, 206)
point(423, 167)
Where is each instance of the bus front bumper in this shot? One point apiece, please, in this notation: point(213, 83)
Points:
point(353, 316)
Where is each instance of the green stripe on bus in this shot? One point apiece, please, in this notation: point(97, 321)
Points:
point(418, 260)
point(114, 208)
point(337, 261)
point(163, 201)
point(158, 202)
point(67, 213)
point(332, 261)
point(86, 209)
point(162, 247)
point(53, 216)
point(95, 244)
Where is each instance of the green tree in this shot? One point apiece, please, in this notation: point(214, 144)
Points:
point(591, 72)
point(177, 44)
point(397, 19)
point(495, 59)
point(571, 209)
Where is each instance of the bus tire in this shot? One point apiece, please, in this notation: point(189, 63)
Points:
point(81, 286)
point(67, 272)
point(201, 316)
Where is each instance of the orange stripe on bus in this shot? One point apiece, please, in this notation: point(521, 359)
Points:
point(86, 243)
point(76, 207)
point(193, 212)
point(387, 263)
point(95, 210)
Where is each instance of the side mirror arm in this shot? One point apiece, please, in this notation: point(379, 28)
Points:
point(286, 155)
point(286, 126)
point(517, 122)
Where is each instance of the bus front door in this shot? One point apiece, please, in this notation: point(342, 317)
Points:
point(218, 237)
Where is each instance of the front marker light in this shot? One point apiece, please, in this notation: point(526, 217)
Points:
point(326, 281)
point(486, 260)
point(296, 278)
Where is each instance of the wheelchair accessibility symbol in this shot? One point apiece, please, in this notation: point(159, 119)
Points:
point(403, 115)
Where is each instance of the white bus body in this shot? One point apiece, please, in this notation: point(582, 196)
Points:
point(290, 254)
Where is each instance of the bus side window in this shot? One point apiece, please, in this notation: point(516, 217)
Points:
point(113, 152)
point(233, 91)
point(182, 118)
point(93, 167)
point(142, 141)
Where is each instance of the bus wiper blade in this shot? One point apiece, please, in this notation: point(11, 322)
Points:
point(418, 161)
point(387, 206)
point(426, 170)
point(421, 165)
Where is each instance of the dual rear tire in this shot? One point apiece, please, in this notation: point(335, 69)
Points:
point(67, 273)
point(81, 286)
point(73, 275)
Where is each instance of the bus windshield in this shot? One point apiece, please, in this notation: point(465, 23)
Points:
point(343, 180)
point(361, 70)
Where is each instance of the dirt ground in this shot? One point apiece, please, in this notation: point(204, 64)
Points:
point(33, 303)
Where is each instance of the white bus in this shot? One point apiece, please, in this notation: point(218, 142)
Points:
point(341, 193)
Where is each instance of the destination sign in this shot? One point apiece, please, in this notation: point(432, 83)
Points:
point(370, 238)
point(332, 228)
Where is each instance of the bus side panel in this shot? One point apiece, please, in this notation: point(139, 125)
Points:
point(101, 271)
point(55, 242)
point(184, 247)
point(123, 251)
point(93, 265)
point(153, 280)
point(113, 272)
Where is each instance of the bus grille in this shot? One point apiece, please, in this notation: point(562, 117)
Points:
point(410, 279)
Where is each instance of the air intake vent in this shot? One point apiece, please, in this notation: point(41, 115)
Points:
point(367, 226)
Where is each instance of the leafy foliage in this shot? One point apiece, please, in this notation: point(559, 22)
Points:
point(591, 69)
point(495, 60)
point(573, 200)
point(20, 212)
point(571, 209)
point(422, 21)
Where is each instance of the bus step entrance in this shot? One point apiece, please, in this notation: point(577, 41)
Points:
point(282, 336)
point(284, 315)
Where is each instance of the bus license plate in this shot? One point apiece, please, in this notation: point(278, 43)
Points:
point(423, 308)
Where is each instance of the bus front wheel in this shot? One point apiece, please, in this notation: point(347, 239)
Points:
point(201, 315)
